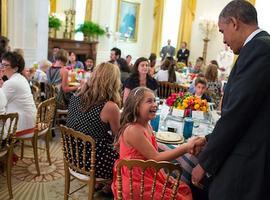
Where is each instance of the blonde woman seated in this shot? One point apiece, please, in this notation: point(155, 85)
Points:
point(137, 141)
point(95, 112)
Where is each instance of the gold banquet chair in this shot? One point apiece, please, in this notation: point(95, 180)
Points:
point(166, 167)
point(61, 110)
point(50, 91)
point(75, 161)
point(44, 119)
point(164, 89)
point(8, 127)
point(36, 94)
point(175, 88)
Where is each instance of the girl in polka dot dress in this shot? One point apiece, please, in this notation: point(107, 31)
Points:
point(95, 112)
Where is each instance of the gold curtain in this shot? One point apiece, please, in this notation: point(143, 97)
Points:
point(52, 6)
point(4, 18)
point(253, 2)
point(186, 19)
point(88, 10)
point(158, 18)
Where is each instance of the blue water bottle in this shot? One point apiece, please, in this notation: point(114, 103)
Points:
point(155, 122)
point(188, 127)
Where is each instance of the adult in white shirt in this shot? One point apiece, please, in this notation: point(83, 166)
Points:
point(162, 75)
point(167, 72)
point(225, 60)
point(18, 92)
point(3, 102)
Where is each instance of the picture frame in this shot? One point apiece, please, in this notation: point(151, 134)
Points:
point(128, 20)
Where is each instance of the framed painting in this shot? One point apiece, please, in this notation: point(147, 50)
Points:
point(128, 19)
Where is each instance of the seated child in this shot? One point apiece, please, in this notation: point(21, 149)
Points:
point(200, 88)
point(191, 88)
point(136, 140)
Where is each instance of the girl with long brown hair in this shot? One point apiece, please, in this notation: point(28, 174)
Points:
point(136, 141)
point(139, 77)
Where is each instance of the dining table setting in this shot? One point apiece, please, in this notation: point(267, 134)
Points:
point(77, 76)
point(172, 128)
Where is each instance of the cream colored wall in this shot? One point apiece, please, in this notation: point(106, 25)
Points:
point(105, 13)
point(28, 28)
point(206, 9)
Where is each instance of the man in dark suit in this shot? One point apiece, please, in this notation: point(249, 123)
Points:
point(167, 51)
point(183, 53)
point(237, 154)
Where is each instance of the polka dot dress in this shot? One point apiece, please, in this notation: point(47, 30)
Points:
point(91, 124)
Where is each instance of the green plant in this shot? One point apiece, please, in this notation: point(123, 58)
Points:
point(89, 28)
point(54, 22)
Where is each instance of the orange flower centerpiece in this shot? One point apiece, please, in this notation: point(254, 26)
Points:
point(187, 102)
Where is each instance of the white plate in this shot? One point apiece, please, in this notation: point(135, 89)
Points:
point(169, 136)
point(73, 84)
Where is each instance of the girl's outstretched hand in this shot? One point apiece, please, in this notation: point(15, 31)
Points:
point(195, 145)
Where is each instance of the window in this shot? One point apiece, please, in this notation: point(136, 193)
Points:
point(171, 17)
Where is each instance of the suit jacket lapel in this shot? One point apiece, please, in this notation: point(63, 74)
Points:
point(234, 69)
point(228, 86)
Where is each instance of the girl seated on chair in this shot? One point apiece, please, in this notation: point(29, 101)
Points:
point(95, 112)
point(136, 141)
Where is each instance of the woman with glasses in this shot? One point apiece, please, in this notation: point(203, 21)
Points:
point(18, 93)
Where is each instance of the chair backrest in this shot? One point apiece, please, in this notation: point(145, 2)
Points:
point(8, 128)
point(164, 89)
point(36, 94)
point(75, 147)
point(163, 166)
point(45, 114)
point(50, 91)
point(175, 88)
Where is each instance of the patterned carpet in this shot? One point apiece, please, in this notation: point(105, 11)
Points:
point(49, 185)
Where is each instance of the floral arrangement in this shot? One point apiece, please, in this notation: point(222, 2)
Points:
point(187, 101)
point(181, 65)
point(75, 74)
point(192, 76)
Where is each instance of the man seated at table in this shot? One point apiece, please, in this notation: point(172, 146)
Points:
point(200, 88)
